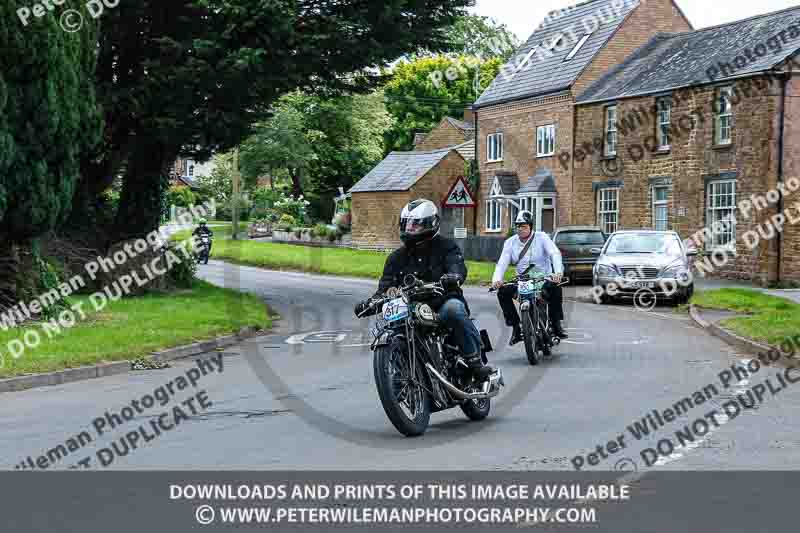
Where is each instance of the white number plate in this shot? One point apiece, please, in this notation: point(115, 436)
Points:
point(640, 284)
point(395, 310)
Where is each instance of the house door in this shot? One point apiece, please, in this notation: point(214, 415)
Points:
point(452, 217)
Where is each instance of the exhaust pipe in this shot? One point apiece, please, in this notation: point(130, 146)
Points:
point(491, 387)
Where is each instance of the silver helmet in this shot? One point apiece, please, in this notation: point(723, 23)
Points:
point(419, 221)
point(524, 217)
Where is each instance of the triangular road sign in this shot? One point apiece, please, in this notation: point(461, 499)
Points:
point(459, 195)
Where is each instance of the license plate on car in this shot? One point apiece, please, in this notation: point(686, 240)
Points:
point(581, 267)
point(640, 284)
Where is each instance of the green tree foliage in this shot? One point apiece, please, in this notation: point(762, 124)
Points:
point(423, 91)
point(48, 118)
point(219, 184)
point(190, 76)
point(321, 143)
point(181, 197)
point(483, 37)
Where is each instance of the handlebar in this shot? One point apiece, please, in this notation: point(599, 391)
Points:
point(548, 277)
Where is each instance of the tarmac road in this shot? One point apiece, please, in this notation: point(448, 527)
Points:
point(303, 397)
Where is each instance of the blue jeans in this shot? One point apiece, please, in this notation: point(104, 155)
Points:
point(454, 314)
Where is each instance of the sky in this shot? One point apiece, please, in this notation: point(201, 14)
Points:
point(522, 16)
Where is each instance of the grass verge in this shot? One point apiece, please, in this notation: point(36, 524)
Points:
point(333, 261)
point(133, 327)
point(770, 318)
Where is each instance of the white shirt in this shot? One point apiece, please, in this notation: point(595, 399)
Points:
point(542, 252)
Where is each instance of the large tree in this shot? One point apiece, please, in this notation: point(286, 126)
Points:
point(423, 91)
point(48, 119)
point(321, 143)
point(475, 35)
point(190, 76)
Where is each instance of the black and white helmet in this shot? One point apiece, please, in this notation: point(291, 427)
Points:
point(419, 221)
point(524, 217)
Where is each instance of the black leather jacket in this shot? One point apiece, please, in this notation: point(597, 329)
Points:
point(428, 262)
point(203, 230)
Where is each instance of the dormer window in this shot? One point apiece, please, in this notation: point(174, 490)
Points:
point(578, 46)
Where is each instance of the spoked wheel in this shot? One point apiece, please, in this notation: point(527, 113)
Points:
point(477, 409)
point(529, 336)
point(405, 401)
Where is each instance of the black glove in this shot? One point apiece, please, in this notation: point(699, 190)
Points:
point(450, 281)
point(361, 307)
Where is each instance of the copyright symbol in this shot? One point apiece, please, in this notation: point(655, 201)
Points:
point(71, 21)
point(611, 167)
point(644, 299)
point(204, 515)
point(626, 464)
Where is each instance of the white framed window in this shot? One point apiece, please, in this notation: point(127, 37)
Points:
point(578, 46)
point(724, 119)
point(608, 210)
point(721, 214)
point(546, 140)
point(494, 213)
point(494, 147)
point(661, 208)
point(664, 120)
point(611, 131)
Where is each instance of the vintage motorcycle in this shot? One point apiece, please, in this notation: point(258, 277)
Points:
point(205, 247)
point(537, 331)
point(418, 370)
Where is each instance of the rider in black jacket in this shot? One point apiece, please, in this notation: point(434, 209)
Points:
point(431, 257)
point(203, 229)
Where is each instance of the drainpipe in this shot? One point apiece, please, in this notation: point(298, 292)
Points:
point(480, 178)
point(785, 81)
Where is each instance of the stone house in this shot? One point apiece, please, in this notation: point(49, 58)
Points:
point(690, 134)
point(437, 165)
point(526, 117)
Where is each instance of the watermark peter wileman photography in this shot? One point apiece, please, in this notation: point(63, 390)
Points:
point(158, 424)
point(71, 20)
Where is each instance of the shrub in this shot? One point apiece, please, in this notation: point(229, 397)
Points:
point(182, 274)
point(294, 207)
point(320, 230)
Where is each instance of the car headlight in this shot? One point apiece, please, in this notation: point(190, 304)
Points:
point(677, 271)
point(606, 270)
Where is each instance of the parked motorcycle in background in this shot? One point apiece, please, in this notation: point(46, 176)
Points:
point(537, 331)
point(418, 368)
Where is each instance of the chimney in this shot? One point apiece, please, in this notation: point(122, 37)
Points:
point(469, 115)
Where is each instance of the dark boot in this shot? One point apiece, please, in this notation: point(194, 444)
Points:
point(516, 335)
point(479, 370)
point(558, 331)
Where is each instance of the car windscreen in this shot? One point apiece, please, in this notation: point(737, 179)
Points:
point(580, 237)
point(644, 243)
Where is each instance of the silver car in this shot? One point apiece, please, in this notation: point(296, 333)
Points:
point(635, 260)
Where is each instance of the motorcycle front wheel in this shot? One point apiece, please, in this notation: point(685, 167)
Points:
point(477, 409)
point(529, 336)
point(405, 402)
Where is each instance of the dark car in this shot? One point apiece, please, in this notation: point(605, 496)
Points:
point(576, 243)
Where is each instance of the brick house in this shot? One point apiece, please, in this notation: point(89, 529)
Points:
point(527, 116)
point(677, 136)
point(429, 171)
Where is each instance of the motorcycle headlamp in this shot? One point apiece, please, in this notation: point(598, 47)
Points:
point(424, 312)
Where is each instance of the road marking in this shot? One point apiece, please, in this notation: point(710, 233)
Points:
point(318, 337)
point(741, 387)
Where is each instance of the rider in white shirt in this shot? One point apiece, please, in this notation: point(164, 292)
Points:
point(546, 256)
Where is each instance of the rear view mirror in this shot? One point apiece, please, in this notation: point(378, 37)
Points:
point(596, 251)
